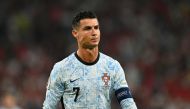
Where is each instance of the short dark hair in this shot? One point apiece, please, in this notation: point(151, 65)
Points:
point(82, 15)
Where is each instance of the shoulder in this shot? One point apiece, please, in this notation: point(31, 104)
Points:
point(66, 61)
point(64, 64)
point(106, 57)
point(111, 62)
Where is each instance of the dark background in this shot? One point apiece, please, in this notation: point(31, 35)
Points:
point(150, 38)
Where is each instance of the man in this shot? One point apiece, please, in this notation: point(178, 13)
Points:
point(87, 78)
point(9, 101)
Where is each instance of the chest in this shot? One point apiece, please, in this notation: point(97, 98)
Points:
point(89, 78)
point(88, 84)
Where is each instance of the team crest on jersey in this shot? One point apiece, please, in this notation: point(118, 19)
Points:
point(105, 79)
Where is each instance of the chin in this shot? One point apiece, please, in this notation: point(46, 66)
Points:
point(90, 46)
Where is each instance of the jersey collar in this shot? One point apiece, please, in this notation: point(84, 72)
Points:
point(87, 63)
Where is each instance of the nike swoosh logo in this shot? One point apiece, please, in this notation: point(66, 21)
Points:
point(74, 80)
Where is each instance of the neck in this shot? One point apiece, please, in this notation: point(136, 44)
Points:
point(88, 55)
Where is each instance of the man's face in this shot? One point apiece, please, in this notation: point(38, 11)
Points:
point(87, 33)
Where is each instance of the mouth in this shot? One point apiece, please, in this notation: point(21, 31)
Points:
point(94, 40)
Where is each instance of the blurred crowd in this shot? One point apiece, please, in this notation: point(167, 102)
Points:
point(151, 39)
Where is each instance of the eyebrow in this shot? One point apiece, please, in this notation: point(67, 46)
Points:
point(89, 27)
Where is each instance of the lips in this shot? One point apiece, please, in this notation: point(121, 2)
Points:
point(94, 40)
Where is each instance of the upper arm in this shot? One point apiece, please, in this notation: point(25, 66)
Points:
point(55, 88)
point(122, 91)
point(119, 77)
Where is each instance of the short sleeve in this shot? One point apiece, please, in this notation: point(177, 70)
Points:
point(119, 77)
point(55, 88)
point(122, 90)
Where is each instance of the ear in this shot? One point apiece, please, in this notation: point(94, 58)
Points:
point(74, 33)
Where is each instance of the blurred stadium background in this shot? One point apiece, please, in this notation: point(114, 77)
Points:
point(151, 39)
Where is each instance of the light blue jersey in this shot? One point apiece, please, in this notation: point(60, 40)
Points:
point(87, 85)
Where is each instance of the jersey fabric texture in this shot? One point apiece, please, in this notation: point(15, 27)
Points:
point(87, 85)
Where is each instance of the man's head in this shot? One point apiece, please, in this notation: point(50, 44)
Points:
point(82, 15)
point(86, 29)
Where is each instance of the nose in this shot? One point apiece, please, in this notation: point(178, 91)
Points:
point(94, 33)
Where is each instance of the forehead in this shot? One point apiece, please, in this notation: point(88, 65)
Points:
point(88, 22)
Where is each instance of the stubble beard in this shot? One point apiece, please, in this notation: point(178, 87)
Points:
point(89, 46)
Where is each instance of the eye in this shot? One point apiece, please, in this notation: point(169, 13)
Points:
point(96, 27)
point(87, 28)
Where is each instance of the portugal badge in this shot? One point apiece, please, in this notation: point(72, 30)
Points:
point(105, 79)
